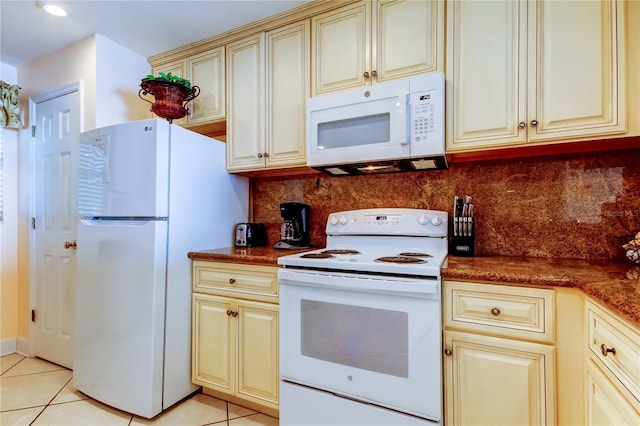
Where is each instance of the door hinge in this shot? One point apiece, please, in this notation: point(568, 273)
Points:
point(33, 223)
point(33, 131)
point(33, 315)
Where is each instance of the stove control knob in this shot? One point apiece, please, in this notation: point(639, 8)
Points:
point(436, 220)
point(423, 219)
point(343, 220)
point(333, 220)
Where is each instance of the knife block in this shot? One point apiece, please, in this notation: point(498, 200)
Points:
point(462, 245)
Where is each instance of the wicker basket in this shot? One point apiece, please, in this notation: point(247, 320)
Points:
point(170, 99)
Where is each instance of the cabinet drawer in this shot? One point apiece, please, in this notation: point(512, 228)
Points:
point(526, 313)
point(617, 345)
point(232, 279)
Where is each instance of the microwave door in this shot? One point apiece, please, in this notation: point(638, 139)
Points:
point(364, 131)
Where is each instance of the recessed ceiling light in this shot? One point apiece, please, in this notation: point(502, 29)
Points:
point(55, 10)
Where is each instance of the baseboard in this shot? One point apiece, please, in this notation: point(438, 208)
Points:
point(23, 346)
point(7, 346)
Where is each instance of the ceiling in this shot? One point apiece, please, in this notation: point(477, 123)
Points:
point(146, 27)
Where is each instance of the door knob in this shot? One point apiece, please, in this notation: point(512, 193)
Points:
point(70, 245)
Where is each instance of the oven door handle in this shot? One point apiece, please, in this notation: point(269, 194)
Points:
point(416, 287)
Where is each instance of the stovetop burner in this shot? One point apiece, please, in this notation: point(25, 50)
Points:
point(340, 251)
point(415, 254)
point(322, 255)
point(399, 259)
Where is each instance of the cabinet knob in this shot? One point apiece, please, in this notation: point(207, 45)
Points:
point(265, 155)
point(534, 123)
point(232, 313)
point(495, 311)
point(366, 74)
point(374, 73)
point(605, 350)
point(70, 245)
point(522, 125)
point(232, 281)
point(259, 155)
point(448, 351)
point(229, 312)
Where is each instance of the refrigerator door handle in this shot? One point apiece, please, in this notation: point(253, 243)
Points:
point(120, 221)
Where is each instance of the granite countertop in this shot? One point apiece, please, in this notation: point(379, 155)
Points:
point(616, 285)
point(252, 255)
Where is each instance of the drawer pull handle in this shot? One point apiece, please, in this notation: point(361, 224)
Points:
point(605, 350)
point(495, 311)
point(232, 281)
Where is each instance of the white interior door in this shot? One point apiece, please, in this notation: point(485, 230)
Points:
point(54, 225)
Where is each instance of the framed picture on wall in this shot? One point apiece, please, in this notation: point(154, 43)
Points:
point(10, 106)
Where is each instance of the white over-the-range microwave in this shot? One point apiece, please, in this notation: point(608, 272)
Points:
point(396, 126)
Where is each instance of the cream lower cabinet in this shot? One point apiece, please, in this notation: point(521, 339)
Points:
point(268, 83)
point(499, 362)
point(613, 369)
point(493, 381)
point(235, 333)
point(530, 72)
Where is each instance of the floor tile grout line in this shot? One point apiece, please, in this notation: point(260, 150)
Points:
point(9, 369)
point(31, 374)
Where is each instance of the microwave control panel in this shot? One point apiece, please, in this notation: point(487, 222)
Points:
point(423, 115)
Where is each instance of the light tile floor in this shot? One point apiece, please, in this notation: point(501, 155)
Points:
point(36, 392)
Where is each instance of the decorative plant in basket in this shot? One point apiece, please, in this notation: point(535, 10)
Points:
point(171, 94)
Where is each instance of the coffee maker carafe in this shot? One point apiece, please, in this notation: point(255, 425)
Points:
point(294, 232)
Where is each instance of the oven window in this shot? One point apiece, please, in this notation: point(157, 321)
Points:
point(362, 130)
point(367, 338)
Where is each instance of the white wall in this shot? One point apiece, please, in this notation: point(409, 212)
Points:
point(109, 76)
point(9, 231)
point(118, 75)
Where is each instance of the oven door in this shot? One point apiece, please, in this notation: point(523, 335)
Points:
point(370, 338)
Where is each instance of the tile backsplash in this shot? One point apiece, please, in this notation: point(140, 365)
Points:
point(578, 206)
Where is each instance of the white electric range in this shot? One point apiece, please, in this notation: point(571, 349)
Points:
point(360, 321)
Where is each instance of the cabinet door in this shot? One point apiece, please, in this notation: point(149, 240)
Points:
point(605, 404)
point(178, 68)
point(341, 48)
point(486, 71)
point(206, 71)
point(246, 100)
point(258, 374)
point(409, 38)
point(214, 338)
point(288, 74)
point(494, 381)
point(579, 87)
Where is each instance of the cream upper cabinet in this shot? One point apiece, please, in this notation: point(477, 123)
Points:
point(534, 71)
point(499, 363)
point(288, 80)
point(246, 102)
point(268, 77)
point(205, 70)
point(375, 41)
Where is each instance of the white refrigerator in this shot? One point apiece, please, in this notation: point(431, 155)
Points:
point(148, 193)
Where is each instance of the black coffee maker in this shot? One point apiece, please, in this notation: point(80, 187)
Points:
point(294, 233)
